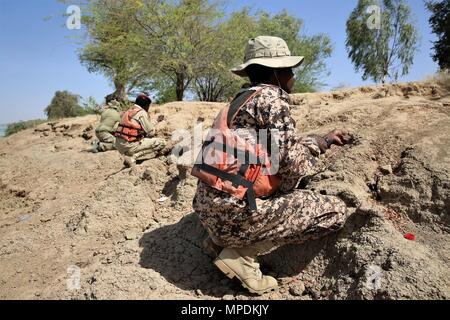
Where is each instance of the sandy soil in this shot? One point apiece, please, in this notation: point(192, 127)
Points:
point(65, 210)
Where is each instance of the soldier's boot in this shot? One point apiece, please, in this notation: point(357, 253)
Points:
point(95, 146)
point(211, 249)
point(129, 162)
point(241, 263)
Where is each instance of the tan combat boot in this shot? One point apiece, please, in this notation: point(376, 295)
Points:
point(241, 263)
point(129, 162)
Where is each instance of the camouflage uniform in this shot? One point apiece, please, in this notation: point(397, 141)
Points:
point(289, 216)
point(108, 124)
point(145, 148)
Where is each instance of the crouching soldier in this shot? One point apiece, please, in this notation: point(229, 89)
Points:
point(134, 134)
point(109, 121)
point(247, 196)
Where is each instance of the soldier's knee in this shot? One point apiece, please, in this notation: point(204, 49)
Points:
point(341, 210)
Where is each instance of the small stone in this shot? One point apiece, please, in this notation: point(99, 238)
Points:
point(326, 293)
point(130, 235)
point(387, 169)
point(149, 175)
point(199, 292)
point(297, 289)
point(228, 297)
point(315, 294)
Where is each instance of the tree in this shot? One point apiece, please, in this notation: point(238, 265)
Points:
point(64, 104)
point(111, 42)
point(315, 48)
point(440, 24)
point(176, 36)
point(218, 84)
point(181, 45)
point(381, 49)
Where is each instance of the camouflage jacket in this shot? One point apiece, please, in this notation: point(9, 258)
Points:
point(270, 109)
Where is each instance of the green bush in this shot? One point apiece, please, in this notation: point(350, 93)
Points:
point(65, 104)
point(15, 127)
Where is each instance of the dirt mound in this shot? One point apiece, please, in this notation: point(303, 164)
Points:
point(68, 214)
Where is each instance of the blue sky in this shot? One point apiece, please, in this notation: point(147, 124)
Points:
point(37, 58)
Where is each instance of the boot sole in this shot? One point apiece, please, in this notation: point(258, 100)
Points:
point(231, 274)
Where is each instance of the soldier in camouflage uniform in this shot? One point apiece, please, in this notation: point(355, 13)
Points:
point(144, 145)
point(105, 130)
point(289, 216)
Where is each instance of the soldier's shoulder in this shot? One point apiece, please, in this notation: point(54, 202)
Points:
point(270, 92)
point(141, 113)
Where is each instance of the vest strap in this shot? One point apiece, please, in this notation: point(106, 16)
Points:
point(235, 180)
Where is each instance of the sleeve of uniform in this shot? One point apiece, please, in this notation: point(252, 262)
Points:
point(297, 155)
point(146, 124)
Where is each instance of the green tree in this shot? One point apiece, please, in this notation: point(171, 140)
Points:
point(112, 44)
point(64, 104)
point(217, 83)
point(91, 106)
point(381, 42)
point(176, 37)
point(440, 24)
point(316, 48)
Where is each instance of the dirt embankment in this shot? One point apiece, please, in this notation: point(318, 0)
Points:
point(66, 212)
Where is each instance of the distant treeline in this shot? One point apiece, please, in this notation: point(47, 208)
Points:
point(22, 125)
point(63, 105)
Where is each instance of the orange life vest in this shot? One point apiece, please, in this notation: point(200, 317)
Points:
point(229, 163)
point(130, 129)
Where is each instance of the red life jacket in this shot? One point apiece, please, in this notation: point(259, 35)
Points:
point(230, 164)
point(130, 129)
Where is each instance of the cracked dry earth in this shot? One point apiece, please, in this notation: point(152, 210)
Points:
point(131, 234)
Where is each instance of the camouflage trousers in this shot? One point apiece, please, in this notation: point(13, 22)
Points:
point(144, 149)
point(294, 217)
point(106, 141)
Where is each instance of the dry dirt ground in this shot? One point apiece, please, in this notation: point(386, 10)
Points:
point(66, 212)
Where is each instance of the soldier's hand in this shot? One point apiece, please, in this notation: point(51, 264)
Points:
point(338, 137)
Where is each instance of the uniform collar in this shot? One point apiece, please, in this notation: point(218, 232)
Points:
point(283, 94)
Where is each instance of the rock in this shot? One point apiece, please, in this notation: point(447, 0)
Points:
point(297, 289)
point(149, 175)
point(387, 169)
point(315, 294)
point(131, 235)
point(160, 118)
point(199, 292)
point(87, 136)
point(340, 95)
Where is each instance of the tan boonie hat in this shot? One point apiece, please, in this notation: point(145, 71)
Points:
point(271, 52)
